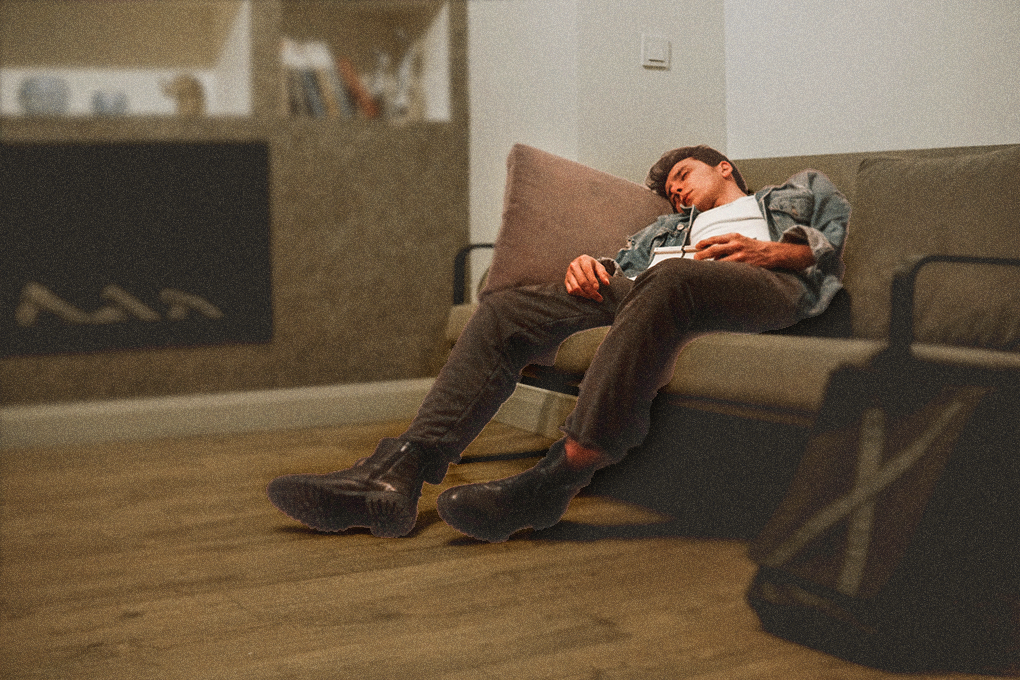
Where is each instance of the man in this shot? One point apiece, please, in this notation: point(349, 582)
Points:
point(754, 263)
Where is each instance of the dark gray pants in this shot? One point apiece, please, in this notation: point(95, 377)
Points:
point(650, 318)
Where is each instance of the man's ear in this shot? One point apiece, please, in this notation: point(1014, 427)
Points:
point(725, 169)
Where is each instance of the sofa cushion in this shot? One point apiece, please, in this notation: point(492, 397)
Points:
point(555, 209)
point(770, 372)
point(768, 376)
point(788, 374)
point(760, 371)
point(960, 205)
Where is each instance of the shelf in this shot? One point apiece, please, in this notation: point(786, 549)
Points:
point(127, 34)
point(357, 28)
point(159, 55)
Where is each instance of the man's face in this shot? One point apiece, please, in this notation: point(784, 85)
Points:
point(692, 183)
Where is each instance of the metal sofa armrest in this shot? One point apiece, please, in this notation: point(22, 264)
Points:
point(904, 283)
point(460, 271)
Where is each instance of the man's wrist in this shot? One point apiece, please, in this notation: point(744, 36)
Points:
point(794, 256)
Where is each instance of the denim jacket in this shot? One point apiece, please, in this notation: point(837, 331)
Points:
point(807, 209)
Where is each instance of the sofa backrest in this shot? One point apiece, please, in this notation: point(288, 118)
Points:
point(841, 168)
point(960, 201)
point(555, 209)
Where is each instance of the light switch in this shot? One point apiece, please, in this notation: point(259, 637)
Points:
point(655, 51)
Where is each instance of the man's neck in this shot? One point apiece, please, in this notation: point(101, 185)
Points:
point(731, 194)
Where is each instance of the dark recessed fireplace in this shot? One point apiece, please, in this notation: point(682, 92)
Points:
point(131, 245)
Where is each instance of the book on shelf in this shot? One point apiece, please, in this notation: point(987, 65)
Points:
point(364, 99)
point(319, 85)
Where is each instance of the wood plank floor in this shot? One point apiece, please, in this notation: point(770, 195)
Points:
point(164, 560)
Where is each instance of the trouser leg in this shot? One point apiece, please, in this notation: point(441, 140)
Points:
point(663, 308)
point(667, 306)
point(381, 492)
point(510, 329)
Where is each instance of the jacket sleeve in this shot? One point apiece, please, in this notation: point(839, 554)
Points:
point(826, 228)
point(636, 257)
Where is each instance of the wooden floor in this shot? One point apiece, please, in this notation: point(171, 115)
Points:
point(165, 560)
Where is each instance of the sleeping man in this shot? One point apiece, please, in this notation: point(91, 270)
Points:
point(726, 260)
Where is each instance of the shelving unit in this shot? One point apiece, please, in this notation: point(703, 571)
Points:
point(141, 49)
point(366, 215)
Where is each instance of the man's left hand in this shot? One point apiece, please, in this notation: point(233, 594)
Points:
point(765, 254)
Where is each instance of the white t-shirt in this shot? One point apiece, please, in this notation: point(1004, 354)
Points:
point(742, 216)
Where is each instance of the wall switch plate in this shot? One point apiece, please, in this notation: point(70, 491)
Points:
point(655, 51)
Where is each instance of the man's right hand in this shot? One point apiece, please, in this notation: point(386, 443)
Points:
point(584, 275)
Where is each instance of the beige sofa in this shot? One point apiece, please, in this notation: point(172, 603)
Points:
point(907, 203)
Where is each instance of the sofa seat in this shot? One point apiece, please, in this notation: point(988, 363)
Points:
point(777, 378)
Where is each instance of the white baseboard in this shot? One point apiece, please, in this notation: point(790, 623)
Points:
point(78, 423)
point(229, 413)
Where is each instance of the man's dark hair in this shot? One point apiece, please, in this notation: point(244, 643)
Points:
point(656, 180)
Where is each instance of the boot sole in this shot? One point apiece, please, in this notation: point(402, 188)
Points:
point(385, 514)
point(482, 530)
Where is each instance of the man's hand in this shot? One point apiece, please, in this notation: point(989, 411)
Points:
point(765, 254)
point(584, 275)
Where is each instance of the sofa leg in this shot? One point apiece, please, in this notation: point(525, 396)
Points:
point(533, 409)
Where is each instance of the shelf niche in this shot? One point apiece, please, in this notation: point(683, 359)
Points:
point(140, 48)
point(359, 31)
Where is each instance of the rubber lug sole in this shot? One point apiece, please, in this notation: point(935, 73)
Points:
point(302, 498)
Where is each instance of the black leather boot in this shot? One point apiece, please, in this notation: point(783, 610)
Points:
point(537, 498)
point(379, 492)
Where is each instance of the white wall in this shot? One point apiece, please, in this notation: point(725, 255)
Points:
point(628, 114)
point(870, 75)
point(523, 88)
point(565, 76)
